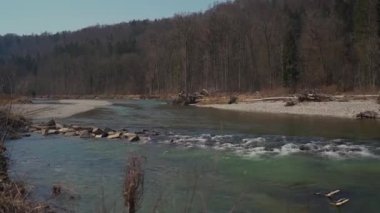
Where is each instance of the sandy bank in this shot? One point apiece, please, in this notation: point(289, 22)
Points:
point(60, 109)
point(331, 109)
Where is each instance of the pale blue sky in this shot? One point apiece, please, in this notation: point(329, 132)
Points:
point(37, 16)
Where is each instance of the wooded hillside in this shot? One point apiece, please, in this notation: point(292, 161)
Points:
point(244, 45)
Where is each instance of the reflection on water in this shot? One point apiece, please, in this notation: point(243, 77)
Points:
point(249, 162)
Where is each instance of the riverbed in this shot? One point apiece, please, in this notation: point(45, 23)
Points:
point(207, 160)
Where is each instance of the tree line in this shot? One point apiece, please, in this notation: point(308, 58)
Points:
point(235, 46)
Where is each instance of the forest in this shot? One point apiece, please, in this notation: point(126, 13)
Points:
point(234, 46)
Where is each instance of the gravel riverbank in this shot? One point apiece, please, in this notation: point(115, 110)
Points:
point(332, 109)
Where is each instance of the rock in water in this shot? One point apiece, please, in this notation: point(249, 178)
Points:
point(132, 137)
point(108, 130)
point(52, 132)
point(44, 132)
point(65, 130)
point(114, 136)
point(71, 134)
point(97, 131)
point(84, 134)
point(368, 115)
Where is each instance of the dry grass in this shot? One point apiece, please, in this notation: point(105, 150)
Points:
point(134, 183)
point(13, 198)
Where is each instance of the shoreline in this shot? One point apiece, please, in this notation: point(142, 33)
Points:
point(60, 109)
point(339, 109)
point(348, 109)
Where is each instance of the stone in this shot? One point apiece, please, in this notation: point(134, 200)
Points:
point(233, 100)
point(52, 132)
point(71, 134)
point(56, 190)
point(132, 137)
point(44, 132)
point(65, 130)
point(99, 136)
point(304, 148)
point(97, 131)
point(368, 115)
point(84, 134)
point(108, 130)
point(114, 136)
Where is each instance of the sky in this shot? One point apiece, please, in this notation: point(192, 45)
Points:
point(37, 16)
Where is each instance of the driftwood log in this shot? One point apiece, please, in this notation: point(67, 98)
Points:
point(184, 99)
point(313, 97)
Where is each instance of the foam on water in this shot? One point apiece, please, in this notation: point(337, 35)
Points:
point(275, 146)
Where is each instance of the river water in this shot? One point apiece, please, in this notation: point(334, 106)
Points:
point(207, 160)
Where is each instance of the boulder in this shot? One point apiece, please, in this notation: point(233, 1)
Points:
point(367, 115)
point(65, 130)
point(304, 148)
point(71, 134)
point(84, 134)
point(116, 135)
point(233, 100)
point(97, 131)
point(99, 136)
point(108, 130)
point(52, 132)
point(132, 137)
point(75, 127)
point(44, 132)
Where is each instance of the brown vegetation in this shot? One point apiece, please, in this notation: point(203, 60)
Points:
point(134, 183)
point(13, 196)
point(235, 46)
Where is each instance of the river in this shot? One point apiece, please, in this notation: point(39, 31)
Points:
point(207, 160)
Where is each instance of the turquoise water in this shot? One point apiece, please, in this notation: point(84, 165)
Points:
point(207, 161)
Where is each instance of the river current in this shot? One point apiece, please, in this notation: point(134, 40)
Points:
point(206, 160)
